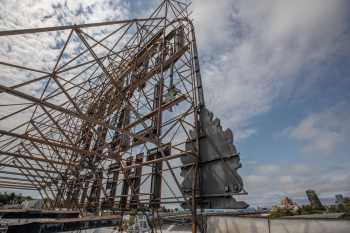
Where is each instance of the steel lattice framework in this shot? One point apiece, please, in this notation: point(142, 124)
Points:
point(104, 128)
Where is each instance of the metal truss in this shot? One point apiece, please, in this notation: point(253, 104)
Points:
point(103, 129)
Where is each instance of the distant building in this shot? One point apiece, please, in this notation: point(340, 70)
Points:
point(340, 199)
point(314, 200)
point(287, 203)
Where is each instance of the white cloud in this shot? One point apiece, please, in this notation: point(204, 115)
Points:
point(321, 133)
point(41, 13)
point(268, 183)
point(41, 50)
point(252, 52)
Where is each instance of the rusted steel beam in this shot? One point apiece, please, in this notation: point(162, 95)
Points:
point(152, 113)
point(98, 61)
point(41, 166)
point(75, 26)
point(58, 126)
point(12, 178)
point(31, 180)
point(63, 110)
point(27, 168)
point(7, 186)
point(47, 141)
point(45, 183)
point(38, 182)
point(165, 158)
point(55, 78)
point(16, 183)
point(20, 174)
point(19, 155)
point(24, 68)
point(60, 145)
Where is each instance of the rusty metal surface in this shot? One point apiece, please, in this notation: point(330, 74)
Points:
point(106, 127)
point(218, 165)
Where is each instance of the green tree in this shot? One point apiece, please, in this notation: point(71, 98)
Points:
point(280, 212)
point(6, 198)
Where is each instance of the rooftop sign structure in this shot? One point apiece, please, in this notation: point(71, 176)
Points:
point(118, 121)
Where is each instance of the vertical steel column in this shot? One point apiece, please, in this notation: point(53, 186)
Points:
point(125, 186)
point(136, 180)
point(112, 186)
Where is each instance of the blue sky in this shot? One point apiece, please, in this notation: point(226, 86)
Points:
point(276, 72)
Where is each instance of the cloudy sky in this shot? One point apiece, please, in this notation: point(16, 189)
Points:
point(275, 71)
point(278, 73)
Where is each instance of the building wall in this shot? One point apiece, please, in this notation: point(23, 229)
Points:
point(234, 224)
point(309, 226)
